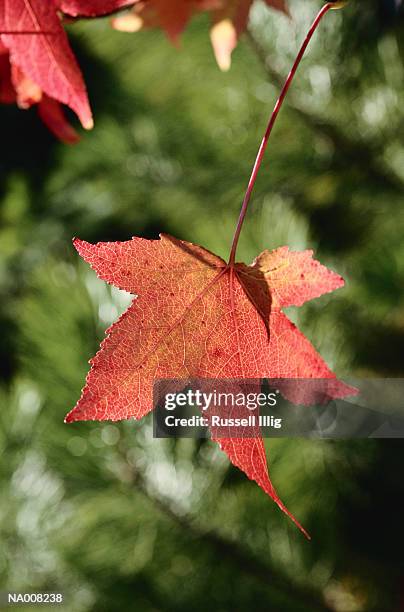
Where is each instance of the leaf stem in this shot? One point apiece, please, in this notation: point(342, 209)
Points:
point(264, 142)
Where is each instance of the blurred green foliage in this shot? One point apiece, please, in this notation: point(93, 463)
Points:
point(103, 512)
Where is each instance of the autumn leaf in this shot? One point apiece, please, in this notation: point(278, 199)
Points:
point(197, 317)
point(39, 62)
point(229, 20)
point(170, 15)
point(37, 65)
point(44, 57)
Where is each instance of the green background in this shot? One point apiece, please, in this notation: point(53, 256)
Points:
point(105, 513)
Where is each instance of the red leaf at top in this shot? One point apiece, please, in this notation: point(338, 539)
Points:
point(171, 15)
point(229, 19)
point(45, 58)
point(198, 317)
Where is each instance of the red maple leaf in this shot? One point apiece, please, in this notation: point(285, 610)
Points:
point(198, 317)
point(43, 69)
point(38, 46)
point(229, 20)
point(194, 316)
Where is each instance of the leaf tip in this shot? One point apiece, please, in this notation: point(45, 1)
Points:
point(79, 245)
point(69, 418)
point(77, 413)
point(88, 124)
point(223, 37)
